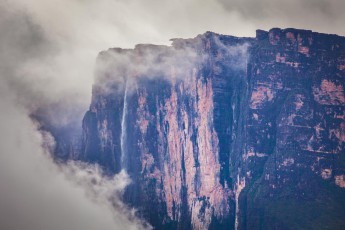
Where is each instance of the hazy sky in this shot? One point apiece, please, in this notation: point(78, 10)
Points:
point(47, 55)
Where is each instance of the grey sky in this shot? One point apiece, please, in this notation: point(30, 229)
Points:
point(324, 16)
point(47, 55)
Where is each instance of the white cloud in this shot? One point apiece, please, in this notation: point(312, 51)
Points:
point(37, 194)
point(47, 55)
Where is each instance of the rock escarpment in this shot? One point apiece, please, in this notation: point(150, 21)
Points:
point(220, 132)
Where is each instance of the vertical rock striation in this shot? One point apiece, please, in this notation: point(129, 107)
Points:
point(219, 132)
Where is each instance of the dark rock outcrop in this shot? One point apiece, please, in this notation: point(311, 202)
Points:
point(220, 132)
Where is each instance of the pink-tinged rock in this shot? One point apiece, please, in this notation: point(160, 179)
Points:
point(339, 132)
point(274, 38)
point(179, 144)
point(147, 161)
point(288, 162)
point(173, 168)
point(299, 101)
point(303, 50)
point(341, 67)
point(329, 93)
point(326, 174)
point(261, 95)
point(143, 114)
point(340, 180)
point(290, 36)
point(279, 58)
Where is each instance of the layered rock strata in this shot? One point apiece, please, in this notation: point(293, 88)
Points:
point(220, 132)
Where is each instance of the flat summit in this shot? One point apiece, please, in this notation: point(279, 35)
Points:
point(221, 132)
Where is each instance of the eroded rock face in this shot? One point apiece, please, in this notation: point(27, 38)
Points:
point(219, 132)
point(296, 98)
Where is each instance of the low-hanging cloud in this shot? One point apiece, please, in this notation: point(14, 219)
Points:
point(47, 55)
point(125, 67)
point(118, 68)
point(37, 194)
point(53, 45)
point(236, 55)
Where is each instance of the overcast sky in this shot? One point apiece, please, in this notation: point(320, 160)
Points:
point(47, 55)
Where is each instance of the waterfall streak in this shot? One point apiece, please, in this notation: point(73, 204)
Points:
point(124, 131)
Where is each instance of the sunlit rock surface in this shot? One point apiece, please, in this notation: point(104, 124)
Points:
point(219, 132)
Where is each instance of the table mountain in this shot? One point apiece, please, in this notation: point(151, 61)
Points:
point(222, 132)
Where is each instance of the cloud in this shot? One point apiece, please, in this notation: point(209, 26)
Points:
point(118, 66)
point(48, 51)
point(319, 15)
point(236, 55)
point(106, 190)
point(37, 194)
point(54, 44)
point(47, 55)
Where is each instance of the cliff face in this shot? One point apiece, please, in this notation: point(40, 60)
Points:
point(219, 132)
point(294, 126)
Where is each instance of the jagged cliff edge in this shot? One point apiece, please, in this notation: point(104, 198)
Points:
point(223, 132)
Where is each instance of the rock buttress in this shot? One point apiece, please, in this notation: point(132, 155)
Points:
point(225, 132)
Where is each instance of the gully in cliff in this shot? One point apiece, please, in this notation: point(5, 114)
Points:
point(221, 132)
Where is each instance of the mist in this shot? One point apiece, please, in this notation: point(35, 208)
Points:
point(36, 194)
point(48, 51)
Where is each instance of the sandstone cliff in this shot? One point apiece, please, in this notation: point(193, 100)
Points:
point(220, 132)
